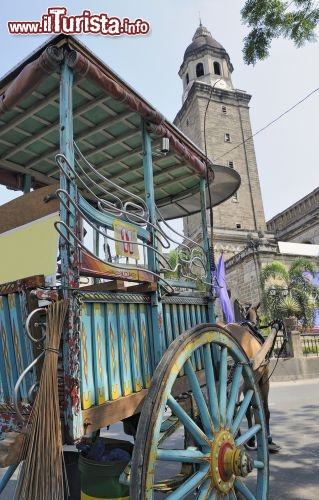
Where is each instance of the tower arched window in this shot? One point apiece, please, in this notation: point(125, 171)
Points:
point(199, 69)
point(217, 68)
point(187, 78)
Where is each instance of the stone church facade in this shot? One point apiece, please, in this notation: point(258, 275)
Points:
point(299, 222)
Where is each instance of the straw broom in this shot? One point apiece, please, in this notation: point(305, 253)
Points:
point(42, 473)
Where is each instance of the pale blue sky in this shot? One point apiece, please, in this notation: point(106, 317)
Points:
point(286, 152)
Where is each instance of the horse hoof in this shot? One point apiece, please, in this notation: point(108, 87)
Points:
point(273, 447)
point(250, 446)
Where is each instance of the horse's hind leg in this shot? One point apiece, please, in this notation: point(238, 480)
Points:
point(251, 443)
point(264, 389)
point(264, 392)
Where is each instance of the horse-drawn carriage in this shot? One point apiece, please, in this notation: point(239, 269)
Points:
point(102, 173)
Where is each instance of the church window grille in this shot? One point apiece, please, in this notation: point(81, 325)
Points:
point(227, 138)
point(217, 68)
point(224, 110)
point(231, 164)
point(199, 69)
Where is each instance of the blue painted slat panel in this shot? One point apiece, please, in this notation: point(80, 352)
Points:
point(187, 316)
point(149, 334)
point(180, 324)
point(198, 313)
point(87, 377)
point(194, 322)
point(125, 359)
point(8, 369)
point(181, 319)
point(174, 320)
point(3, 393)
point(99, 354)
point(18, 343)
point(144, 343)
point(204, 314)
point(188, 325)
point(193, 315)
point(115, 389)
point(167, 325)
point(21, 299)
point(202, 317)
point(135, 349)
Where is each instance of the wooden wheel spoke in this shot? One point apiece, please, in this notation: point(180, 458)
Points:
point(206, 492)
point(242, 410)
point(252, 431)
point(188, 422)
point(234, 392)
point(199, 398)
point(188, 456)
point(211, 386)
point(222, 396)
point(190, 484)
point(242, 488)
point(258, 464)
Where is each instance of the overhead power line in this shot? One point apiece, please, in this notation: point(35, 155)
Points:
point(270, 123)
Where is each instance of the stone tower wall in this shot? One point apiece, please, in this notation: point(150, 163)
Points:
point(246, 212)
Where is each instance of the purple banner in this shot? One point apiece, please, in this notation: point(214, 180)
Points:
point(221, 290)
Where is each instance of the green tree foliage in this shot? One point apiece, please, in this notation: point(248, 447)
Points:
point(270, 19)
point(180, 265)
point(286, 292)
point(173, 264)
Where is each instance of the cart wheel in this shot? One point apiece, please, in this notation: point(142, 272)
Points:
point(188, 443)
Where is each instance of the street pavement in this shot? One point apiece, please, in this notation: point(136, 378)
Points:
point(294, 471)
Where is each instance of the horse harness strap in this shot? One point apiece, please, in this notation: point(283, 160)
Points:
point(253, 330)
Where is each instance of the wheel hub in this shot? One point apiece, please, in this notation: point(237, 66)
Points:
point(228, 461)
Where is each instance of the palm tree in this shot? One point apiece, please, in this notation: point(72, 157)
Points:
point(286, 292)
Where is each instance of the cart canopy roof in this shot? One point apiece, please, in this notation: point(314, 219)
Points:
point(107, 130)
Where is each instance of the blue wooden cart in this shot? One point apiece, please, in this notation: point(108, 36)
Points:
point(103, 173)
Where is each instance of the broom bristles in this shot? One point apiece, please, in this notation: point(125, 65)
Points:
point(42, 473)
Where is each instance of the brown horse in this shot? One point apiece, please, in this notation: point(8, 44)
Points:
point(256, 348)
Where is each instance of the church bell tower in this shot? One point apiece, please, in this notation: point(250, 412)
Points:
point(215, 116)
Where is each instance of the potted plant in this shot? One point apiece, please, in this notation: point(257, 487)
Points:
point(290, 311)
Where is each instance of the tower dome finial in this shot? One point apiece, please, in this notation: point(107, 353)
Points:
point(202, 31)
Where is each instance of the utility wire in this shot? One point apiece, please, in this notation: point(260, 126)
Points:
point(269, 124)
point(211, 214)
